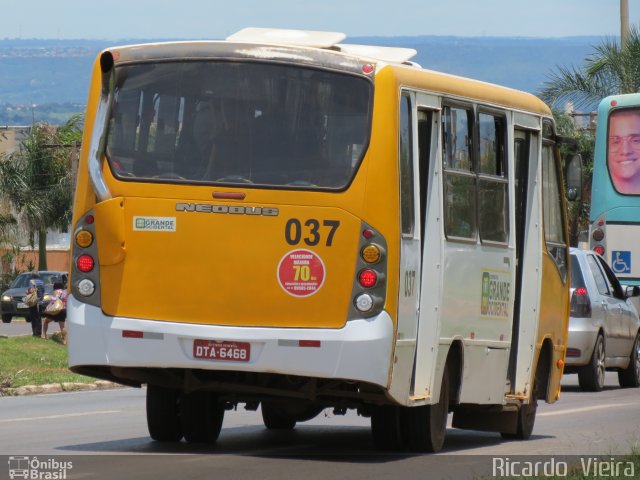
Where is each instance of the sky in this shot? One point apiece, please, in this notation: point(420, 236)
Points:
point(216, 19)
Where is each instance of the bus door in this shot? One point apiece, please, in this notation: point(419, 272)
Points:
point(414, 151)
point(528, 247)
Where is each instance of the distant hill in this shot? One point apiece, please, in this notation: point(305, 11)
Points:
point(54, 74)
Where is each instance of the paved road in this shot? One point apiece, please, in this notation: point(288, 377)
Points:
point(99, 425)
point(17, 327)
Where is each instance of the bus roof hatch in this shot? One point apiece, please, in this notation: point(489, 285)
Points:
point(302, 38)
point(317, 39)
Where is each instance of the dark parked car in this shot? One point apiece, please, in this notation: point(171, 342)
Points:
point(604, 328)
point(12, 299)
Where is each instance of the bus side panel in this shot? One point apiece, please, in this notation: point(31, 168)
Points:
point(477, 304)
point(554, 320)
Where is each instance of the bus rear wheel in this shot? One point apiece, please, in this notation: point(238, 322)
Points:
point(424, 428)
point(385, 427)
point(201, 417)
point(163, 414)
point(275, 418)
point(527, 413)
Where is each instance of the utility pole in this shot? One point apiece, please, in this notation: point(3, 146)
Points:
point(624, 22)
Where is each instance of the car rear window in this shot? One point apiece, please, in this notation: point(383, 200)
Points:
point(577, 280)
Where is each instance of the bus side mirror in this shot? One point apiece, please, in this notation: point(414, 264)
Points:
point(574, 178)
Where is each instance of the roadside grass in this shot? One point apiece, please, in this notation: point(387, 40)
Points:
point(28, 360)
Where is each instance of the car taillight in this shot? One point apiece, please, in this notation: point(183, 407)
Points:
point(580, 303)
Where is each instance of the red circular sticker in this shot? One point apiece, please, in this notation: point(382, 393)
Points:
point(301, 273)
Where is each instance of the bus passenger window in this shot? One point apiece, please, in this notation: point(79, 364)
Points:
point(459, 178)
point(492, 185)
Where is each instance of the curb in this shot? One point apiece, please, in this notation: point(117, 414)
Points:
point(59, 387)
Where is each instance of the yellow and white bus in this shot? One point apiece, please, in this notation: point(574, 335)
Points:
point(293, 223)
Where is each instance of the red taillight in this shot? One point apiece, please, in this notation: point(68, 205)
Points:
point(89, 219)
point(599, 249)
point(367, 278)
point(367, 234)
point(580, 303)
point(85, 263)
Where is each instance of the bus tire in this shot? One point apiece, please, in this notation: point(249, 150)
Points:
point(527, 413)
point(201, 417)
point(386, 428)
point(163, 414)
point(630, 376)
point(591, 376)
point(424, 428)
point(275, 418)
point(6, 318)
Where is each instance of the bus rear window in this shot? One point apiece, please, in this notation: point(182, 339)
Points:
point(238, 123)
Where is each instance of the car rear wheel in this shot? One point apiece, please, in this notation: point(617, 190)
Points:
point(591, 376)
point(6, 318)
point(630, 376)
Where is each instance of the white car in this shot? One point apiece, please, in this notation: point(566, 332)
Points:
point(604, 328)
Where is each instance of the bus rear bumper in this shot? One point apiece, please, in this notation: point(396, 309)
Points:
point(360, 351)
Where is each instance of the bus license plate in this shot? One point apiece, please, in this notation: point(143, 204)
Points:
point(226, 351)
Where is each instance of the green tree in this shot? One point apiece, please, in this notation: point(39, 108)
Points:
point(37, 180)
point(609, 70)
point(585, 146)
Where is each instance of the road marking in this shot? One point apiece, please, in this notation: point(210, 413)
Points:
point(66, 415)
point(586, 409)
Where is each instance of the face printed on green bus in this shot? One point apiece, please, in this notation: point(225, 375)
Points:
point(623, 158)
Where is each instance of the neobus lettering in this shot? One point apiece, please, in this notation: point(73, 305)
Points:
point(237, 210)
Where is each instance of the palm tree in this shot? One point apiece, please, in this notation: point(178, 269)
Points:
point(37, 180)
point(610, 70)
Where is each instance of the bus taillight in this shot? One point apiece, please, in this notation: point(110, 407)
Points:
point(371, 253)
point(598, 234)
point(369, 285)
point(599, 249)
point(85, 263)
point(368, 278)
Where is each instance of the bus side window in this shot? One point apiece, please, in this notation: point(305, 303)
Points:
point(407, 209)
point(554, 233)
point(459, 176)
point(493, 198)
